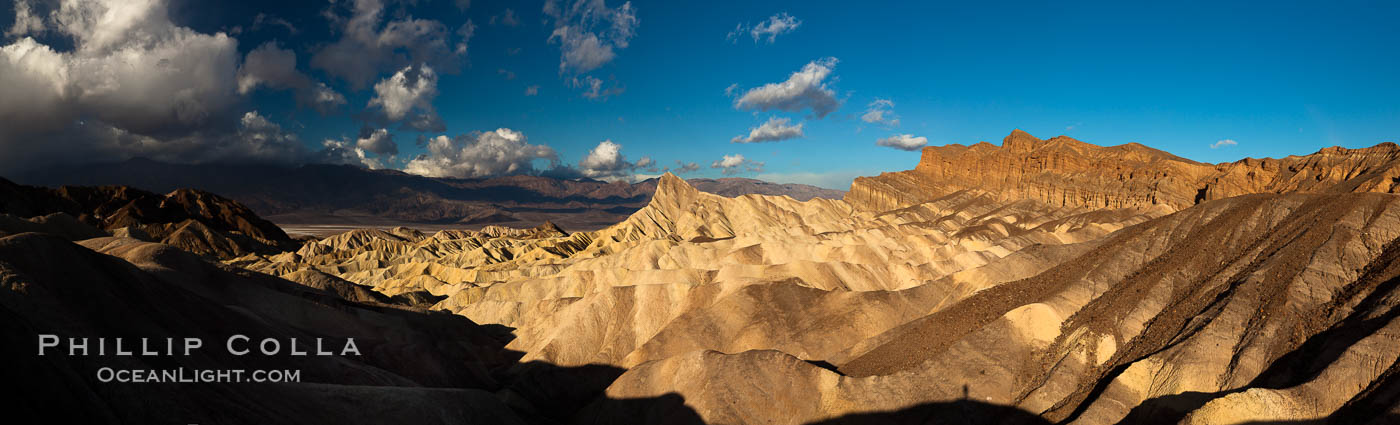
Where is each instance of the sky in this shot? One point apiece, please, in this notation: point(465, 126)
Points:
point(813, 92)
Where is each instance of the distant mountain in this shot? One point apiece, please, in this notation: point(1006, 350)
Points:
point(733, 187)
point(353, 196)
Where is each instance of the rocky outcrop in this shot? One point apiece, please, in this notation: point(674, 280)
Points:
point(1066, 172)
point(199, 222)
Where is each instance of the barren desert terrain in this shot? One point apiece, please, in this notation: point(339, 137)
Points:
point(1039, 281)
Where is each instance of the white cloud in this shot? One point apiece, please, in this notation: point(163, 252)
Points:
point(605, 162)
point(274, 67)
point(131, 83)
point(369, 44)
point(1223, 143)
point(735, 164)
point(532, 90)
point(804, 89)
point(776, 25)
point(345, 152)
point(480, 154)
point(323, 97)
point(729, 161)
point(380, 142)
point(257, 139)
point(905, 142)
point(409, 91)
point(27, 21)
point(589, 32)
point(775, 129)
point(881, 111)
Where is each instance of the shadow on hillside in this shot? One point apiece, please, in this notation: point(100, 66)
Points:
point(1308, 361)
point(960, 412)
point(417, 366)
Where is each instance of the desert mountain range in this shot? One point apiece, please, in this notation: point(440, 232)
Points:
point(350, 196)
point(1039, 281)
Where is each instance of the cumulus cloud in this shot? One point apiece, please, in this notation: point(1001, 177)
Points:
point(735, 164)
point(379, 142)
point(605, 162)
point(776, 25)
point(346, 153)
point(258, 138)
point(1223, 143)
point(125, 82)
point(370, 44)
point(804, 89)
point(27, 20)
point(532, 90)
point(275, 67)
point(775, 129)
point(407, 97)
point(252, 138)
point(480, 154)
point(904, 142)
point(881, 111)
point(589, 32)
point(269, 65)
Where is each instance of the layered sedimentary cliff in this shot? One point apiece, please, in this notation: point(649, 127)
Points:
point(1067, 172)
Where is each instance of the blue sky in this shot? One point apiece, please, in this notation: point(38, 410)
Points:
point(1277, 79)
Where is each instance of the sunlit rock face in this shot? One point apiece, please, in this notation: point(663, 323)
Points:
point(1066, 172)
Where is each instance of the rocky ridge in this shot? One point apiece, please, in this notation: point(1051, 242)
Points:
point(199, 222)
point(1067, 172)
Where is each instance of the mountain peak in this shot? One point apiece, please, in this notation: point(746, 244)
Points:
point(1019, 141)
point(673, 190)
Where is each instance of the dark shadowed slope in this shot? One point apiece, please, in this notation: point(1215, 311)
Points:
point(415, 366)
point(197, 221)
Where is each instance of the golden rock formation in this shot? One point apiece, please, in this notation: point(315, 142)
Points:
point(1067, 172)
